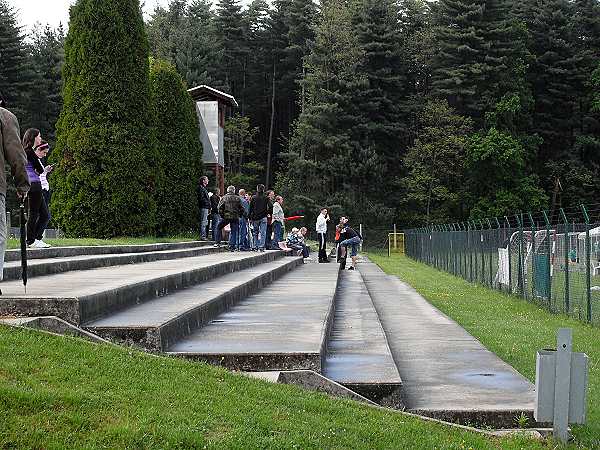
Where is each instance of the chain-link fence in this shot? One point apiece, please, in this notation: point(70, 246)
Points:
point(550, 259)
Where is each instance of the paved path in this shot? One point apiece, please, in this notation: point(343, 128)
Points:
point(443, 368)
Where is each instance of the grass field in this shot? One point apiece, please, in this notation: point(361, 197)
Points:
point(509, 326)
point(61, 392)
point(14, 243)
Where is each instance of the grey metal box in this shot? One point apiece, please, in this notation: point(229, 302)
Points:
point(545, 380)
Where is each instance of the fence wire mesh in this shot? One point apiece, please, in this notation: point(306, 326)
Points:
point(552, 260)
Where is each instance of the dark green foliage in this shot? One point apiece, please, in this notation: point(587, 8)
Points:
point(244, 171)
point(435, 189)
point(45, 99)
point(16, 76)
point(179, 163)
point(105, 177)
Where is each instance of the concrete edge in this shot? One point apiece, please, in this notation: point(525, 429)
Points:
point(59, 252)
point(64, 265)
point(251, 362)
point(53, 325)
point(65, 307)
point(328, 324)
point(302, 379)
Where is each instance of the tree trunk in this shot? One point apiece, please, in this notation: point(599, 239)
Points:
point(270, 149)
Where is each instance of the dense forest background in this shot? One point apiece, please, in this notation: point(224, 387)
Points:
point(393, 111)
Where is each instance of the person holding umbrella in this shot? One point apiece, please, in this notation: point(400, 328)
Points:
point(11, 151)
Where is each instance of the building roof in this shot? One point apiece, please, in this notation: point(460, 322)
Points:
point(206, 93)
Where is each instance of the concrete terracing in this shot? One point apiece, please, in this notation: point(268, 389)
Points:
point(358, 354)
point(446, 372)
point(283, 327)
point(81, 296)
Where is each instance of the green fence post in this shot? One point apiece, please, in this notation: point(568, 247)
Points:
point(588, 262)
point(469, 244)
point(509, 258)
point(491, 251)
point(567, 244)
point(482, 252)
point(533, 253)
point(520, 281)
point(549, 240)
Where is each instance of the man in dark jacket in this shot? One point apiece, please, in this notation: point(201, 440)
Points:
point(230, 209)
point(203, 206)
point(11, 151)
point(259, 209)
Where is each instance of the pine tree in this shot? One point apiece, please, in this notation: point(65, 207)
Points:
point(179, 162)
point(106, 151)
point(481, 54)
point(16, 76)
point(45, 99)
point(195, 54)
point(231, 39)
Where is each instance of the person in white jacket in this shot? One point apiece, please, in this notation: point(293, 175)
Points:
point(321, 228)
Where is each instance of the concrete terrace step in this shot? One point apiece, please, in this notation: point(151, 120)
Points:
point(61, 252)
point(446, 373)
point(85, 295)
point(160, 322)
point(48, 266)
point(358, 354)
point(282, 327)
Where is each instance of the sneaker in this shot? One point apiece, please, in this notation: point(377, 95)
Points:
point(217, 246)
point(42, 244)
point(351, 268)
point(36, 244)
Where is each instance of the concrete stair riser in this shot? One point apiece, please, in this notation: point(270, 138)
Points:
point(98, 305)
point(61, 265)
point(252, 362)
point(328, 325)
point(61, 252)
point(159, 338)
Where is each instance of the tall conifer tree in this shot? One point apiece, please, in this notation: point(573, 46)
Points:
point(104, 179)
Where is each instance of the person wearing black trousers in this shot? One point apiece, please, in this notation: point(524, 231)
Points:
point(321, 228)
point(38, 210)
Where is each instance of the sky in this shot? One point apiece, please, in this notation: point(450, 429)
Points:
point(53, 12)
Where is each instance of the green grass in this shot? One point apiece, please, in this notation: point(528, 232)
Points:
point(15, 243)
point(509, 326)
point(61, 392)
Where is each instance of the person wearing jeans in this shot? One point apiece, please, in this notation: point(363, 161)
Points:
point(350, 238)
point(278, 222)
point(204, 205)
point(11, 151)
point(215, 218)
point(321, 228)
point(230, 209)
point(259, 209)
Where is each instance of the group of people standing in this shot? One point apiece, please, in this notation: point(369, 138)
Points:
point(256, 222)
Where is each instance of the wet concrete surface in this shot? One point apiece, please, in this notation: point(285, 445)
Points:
point(357, 349)
point(276, 327)
point(445, 371)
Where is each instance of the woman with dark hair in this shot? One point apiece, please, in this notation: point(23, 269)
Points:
point(38, 210)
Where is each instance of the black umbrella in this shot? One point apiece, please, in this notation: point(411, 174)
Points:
point(23, 244)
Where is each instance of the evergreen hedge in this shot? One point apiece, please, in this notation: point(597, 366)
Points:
point(104, 181)
point(179, 150)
